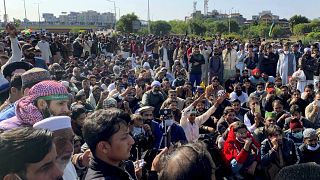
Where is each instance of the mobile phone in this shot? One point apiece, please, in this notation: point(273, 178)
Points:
point(257, 109)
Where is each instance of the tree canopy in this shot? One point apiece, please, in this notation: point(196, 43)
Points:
point(125, 23)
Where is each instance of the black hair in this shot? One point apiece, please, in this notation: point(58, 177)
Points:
point(16, 81)
point(310, 171)
point(295, 108)
point(102, 125)
point(189, 161)
point(238, 125)
point(236, 101)
point(273, 129)
point(22, 146)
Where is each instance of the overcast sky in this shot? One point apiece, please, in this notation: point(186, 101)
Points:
point(163, 9)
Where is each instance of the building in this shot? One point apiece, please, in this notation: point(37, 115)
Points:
point(265, 16)
point(214, 14)
point(81, 18)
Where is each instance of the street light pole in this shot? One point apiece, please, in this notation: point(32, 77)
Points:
point(230, 13)
point(5, 12)
point(25, 9)
point(39, 15)
point(115, 14)
point(149, 29)
point(119, 14)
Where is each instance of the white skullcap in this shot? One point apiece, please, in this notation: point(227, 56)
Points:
point(155, 83)
point(146, 64)
point(54, 123)
point(307, 50)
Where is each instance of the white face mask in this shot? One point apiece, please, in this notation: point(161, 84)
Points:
point(169, 122)
point(137, 131)
point(313, 148)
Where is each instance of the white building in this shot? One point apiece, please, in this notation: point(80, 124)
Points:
point(81, 18)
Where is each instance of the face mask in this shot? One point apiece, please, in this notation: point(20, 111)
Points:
point(298, 135)
point(137, 131)
point(169, 122)
point(313, 148)
point(255, 49)
point(259, 92)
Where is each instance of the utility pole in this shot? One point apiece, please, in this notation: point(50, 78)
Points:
point(5, 18)
point(39, 15)
point(149, 29)
point(115, 14)
point(230, 13)
point(25, 9)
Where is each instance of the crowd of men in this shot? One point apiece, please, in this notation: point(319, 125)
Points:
point(107, 106)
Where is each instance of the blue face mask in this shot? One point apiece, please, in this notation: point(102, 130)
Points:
point(298, 135)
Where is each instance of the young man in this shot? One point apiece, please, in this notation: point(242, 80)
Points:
point(107, 134)
point(240, 111)
point(190, 123)
point(277, 151)
point(241, 151)
point(196, 60)
point(29, 154)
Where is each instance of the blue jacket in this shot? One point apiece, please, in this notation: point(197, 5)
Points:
point(157, 134)
point(8, 113)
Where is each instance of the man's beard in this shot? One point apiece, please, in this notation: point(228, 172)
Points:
point(63, 162)
point(46, 113)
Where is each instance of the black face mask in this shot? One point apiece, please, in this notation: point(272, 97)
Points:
point(238, 92)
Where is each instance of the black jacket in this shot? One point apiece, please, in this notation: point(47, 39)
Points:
point(288, 151)
point(308, 156)
point(100, 170)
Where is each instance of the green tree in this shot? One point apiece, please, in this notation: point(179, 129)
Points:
point(297, 19)
point(197, 27)
point(16, 22)
point(301, 29)
point(160, 27)
point(221, 27)
point(124, 24)
point(234, 26)
point(278, 32)
point(178, 26)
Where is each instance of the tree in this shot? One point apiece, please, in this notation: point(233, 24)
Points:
point(197, 27)
point(297, 19)
point(178, 26)
point(16, 22)
point(124, 24)
point(301, 29)
point(160, 27)
point(221, 27)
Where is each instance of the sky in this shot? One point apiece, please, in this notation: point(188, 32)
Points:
point(162, 9)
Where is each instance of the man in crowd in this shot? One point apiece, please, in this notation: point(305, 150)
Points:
point(28, 153)
point(107, 134)
point(190, 123)
point(196, 60)
point(45, 99)
point(63, 139)
point(309, 151)
point(28, 79)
